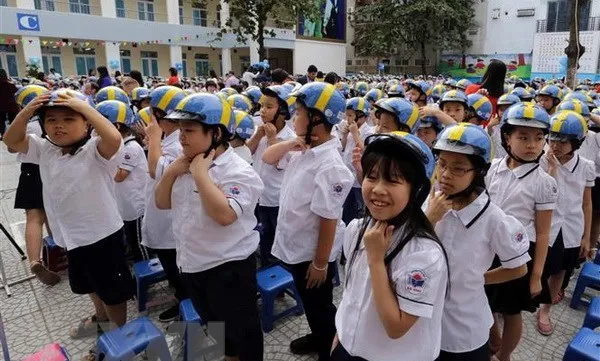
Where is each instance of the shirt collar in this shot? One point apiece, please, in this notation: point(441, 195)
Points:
point(571, 165)
point(171, 138)
point(320, 149)
point(129, 137)
point(224, 158)
point(521, 171)
point(471, 213)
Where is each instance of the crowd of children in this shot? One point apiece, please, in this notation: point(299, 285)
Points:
point(451, 212)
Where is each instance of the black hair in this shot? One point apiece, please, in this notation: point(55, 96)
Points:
point(173, 71)
point(332, 78)
point(212, 73)
point(493, 78)
point(319, 74)
point(102, 71)
point(312, 69)
point(136, 75)
point(3, 75)
point(279, 75)
point(40, 75)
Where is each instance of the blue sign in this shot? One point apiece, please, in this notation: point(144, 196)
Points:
point(28, 22)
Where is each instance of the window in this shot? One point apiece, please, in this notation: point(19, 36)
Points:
point(120, 6)
point(146, 10)
point(3, 3)
point(184, 64)
point(51, 59)
point(79, 6)
point(201, 64)
point(349, 62)
point(557, 19)
point(419, 62)
point(85, 60)
point(149, 63)
point(44, 5)
point(8, 59)
point(181, 12)
point(125, 61)
point(199, 14)
point(404, 62)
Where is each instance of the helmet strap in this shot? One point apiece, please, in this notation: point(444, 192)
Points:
point(311, 124)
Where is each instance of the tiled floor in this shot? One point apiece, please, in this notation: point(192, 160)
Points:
point(36, 315)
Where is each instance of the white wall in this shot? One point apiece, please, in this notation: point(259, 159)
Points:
point(326, 56)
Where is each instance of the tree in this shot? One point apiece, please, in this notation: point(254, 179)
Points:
point(247, 18)
point(417, 24)
point(574, 50)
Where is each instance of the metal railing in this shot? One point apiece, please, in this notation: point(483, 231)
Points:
point(586, 24)
point(141, 15)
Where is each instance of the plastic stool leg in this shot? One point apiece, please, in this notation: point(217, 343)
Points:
point(298, 300)
point(577, 292)
point(142, 295)
point(267, 312)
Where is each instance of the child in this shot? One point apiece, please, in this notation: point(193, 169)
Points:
point(112, 93)
point(315, 184)
point(548, 98)
point(522, 190)
point(29, 195)
point(479, 109)
point(353, 135)
point(429, 128)
point(395, 91)
point(274, 112)
point(77, 171)
point(212, 193)
point(396, 114)
point(523, 94)
point(504, 102)
point(140, 98)
point(244, 128)
point(131, 175)
point(396, 273)
point(452, 108)
point(571, 221)
point(240, 102)
point(255, 95)
point(418, 92)
point(461, 212)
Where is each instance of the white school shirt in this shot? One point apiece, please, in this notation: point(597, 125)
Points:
point(201, 242)
point(363, 132)
point(244, 152)
point(496, 136)
point(521, 192)
point(315, 184)
point(571, 178)
point(130, 193)
point(78, 192)
point(419, 276)
point(590, 149)
point(271, 175)
point(157, 225)
point(472, 237)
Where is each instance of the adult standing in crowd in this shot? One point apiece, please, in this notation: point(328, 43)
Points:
point(249, 76)
point(231, 80)
point(8, 105)
point(492, 83)
point(310, 76)
point(104, 79)
point(54, 75)
point(173, 78)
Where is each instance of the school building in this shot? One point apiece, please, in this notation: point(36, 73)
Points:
point(73, 36)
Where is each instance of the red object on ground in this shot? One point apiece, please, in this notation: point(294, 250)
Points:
point(52, 352)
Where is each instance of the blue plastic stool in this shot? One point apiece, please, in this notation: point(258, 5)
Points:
point(147, 273)
point(188, 315)
point(131, 339)
point(585, 346)
point(271, 281)
point(592, 317)
point(589, 277)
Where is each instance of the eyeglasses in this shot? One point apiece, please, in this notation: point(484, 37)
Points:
point(454, 171)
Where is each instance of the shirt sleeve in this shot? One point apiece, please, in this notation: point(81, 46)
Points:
point(418, 279)
point(35, 149)
point(128, 159)
point(510, 242)
point(110, 164)
point(350, 237)
point(546, 193)
point(333, 185)
point(242, 189)
point(590, 173)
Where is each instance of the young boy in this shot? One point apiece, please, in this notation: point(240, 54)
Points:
point(418, 92)
point(315, 185)
point(548, 98)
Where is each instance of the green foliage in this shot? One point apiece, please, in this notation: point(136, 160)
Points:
point(32, 70)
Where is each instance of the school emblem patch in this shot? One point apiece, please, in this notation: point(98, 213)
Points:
point(338, 188)
point(234, 190)
point(519, 237)
point(415, 282)
point(127, 156)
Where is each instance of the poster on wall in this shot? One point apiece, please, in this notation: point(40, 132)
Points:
point(475, 65)
point(330, 25)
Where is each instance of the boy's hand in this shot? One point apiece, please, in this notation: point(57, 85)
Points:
point(67, 99)
point(36, 104)
point(180, 166)
point(269, 130)
point(201, 163)
point(316, 277)
point(153, 130)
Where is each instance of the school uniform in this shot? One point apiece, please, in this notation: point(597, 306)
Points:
point(130, 194)
point(467, 317)
point(567, 219)
point(244, 152)
point(268, 203)
point(354, 204)
point(82, 212)
point(496, 136)
point(157, 225)
point(590, 149)
point(418, 274)
point(520, 192)
point(29, 188)
point(216, 261)
point(315, 184)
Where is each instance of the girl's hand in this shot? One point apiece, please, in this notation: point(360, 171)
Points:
point(298, 144)
point(153, 130)
point(483, 91)
point(552, 162)
point(439, 204)
point(584, 251)
point(377, 240)
point(353, 127)
point(535, 286)
point(315, 277)
point(356, 156)
point(66, 99)
point(428, 111)
point(494, 121)
point(270, 131)
point(344, 128)
point(201, 163)
point(180, 166)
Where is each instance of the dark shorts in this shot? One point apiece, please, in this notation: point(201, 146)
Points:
point(480, 354)
point(596, 195)
point(29, 190)
point(101, 268)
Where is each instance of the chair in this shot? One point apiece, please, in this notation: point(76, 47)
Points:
point(147, 273)
point(592, 317)
point(585, 346)
point(589, 277)
point(271, 281)
point(190, 318)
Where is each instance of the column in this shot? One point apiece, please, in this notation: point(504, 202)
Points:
point(108, 9)
point(225, 60)
point(254, 58)
point(113, 56)
point(175, 58)
point(173, 12)
point(32, 51)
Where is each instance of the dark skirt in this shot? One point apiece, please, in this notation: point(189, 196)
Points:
point(29, 190)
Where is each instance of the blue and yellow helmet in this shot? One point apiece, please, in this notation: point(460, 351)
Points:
point(240, 102)
point(450, 82)
point(325, 98)
point(437, 91)
point(284, 97)
point(551, 91)
point(463, 84)
point(55, 94)
point(575, 105)
point(166, 98)
point(116, 112)
point(374, 95)
point(228, 91)
point(567, 125)
point(481, 105)
point(581, 96)
point(526, 114)
point(344, 88)
point(456, 96)
point(361, 88)
point(522, 93)
point(431, 122)
point(358, 104)
point(406, 112)
point(465, 138)
point(508, 99)
point(244, 125)
point(204, 108)
point(422, 86)
point(139, 94)
point(253, 93)
point(143, 116)
point(112, 93)
point(27, 93)
point(395, 90)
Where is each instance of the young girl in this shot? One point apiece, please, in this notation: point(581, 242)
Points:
point(77, 171)
point(396, 114)
point(571, 221)
point(212, 194)
point(479, 109)
point(274, 112)
point(428, 130)
point(523, 190)
point(131, 175)
point(418, 92)
point(244, 128)
point(255, 95)
point(504, 102)
point(548, 98)
point(461, 212)
point(29, 195)
point(452, 108)
point(396, 273)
